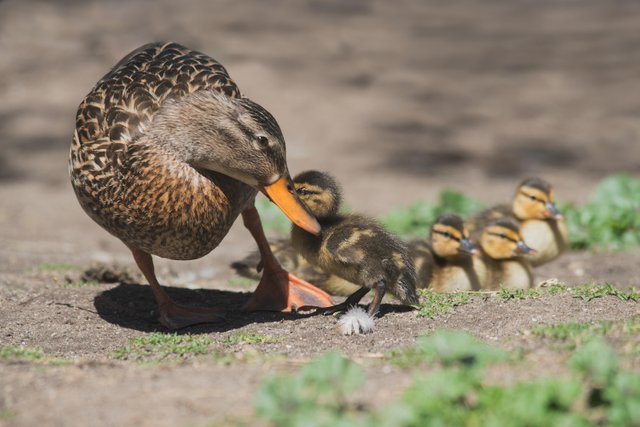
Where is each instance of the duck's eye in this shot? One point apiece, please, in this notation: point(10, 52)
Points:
point(502, 236)
point(263, 141)
point(302, 191)
point(532, 198)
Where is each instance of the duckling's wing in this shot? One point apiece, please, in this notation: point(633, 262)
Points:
point(123, 103)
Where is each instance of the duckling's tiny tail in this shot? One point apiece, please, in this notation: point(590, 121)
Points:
point(356, 321)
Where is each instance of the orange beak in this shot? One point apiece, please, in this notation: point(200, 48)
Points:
point(284, 196)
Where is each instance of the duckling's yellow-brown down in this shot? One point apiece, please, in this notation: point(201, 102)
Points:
point(167, 153)
point(504, 262)
point(445, 262)
point(541, 224)
point(353, 247)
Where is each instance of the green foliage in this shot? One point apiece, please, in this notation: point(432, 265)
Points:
point(595, 392)
point(591, 291)
point(158, 346)
point(416, 219)
point(610, 219)
point(449, 348)
point(573, 334)
point(274, 221)
point(316, 396)
point(21, 353)
point(28, 354)
point(433, 304)
point(248, 338)
point(505, 293)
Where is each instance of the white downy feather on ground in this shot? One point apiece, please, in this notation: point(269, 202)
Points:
point(356, 321)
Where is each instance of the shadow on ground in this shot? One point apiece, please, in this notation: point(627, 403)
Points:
point(132, 306)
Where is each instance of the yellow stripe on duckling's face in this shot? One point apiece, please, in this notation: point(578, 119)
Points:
point(283, 195)
point(533, 203)
point(500, 242)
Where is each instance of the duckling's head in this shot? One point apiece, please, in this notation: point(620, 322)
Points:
point(534, 200)
point(450, 238)
point(235, 137)
point(501, 239)
point(320, 192)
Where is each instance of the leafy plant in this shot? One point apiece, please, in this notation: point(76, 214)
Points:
point(434, 304)
point(610, 219)
point(416, 219)
point(449, 348)
point(317, 396)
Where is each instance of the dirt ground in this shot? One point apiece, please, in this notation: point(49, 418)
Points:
point(399, 100)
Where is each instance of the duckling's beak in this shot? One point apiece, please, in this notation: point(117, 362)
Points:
point(523, 249)
point(467, 247)
point(553, 212)
point(284, 196)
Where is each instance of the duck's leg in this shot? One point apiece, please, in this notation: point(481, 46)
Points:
point(172, 314)
point(278, 289)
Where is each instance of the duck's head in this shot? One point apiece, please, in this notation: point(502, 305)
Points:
point(320, 192)
point(534, 200)
point(501, 239)
point(450, 238)
point(235, 137)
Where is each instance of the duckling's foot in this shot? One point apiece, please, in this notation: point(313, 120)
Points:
point(282, 291)
point(350, 302)
point(176, 316)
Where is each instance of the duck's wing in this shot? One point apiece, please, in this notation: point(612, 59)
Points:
point(124, 101)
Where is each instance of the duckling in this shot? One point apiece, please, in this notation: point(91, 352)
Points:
point(352, 247)
point(541, 224)
point(167, 153)
point(445, 262)
point(502, 264)
point(296, 264)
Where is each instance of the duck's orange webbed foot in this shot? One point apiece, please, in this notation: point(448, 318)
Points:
point(282, 291)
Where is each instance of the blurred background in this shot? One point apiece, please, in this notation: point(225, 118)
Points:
point(399, 100)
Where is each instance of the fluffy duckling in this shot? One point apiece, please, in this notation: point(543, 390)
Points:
point(352, 247)
point(292, 261)
point(167, 153)
point(444, 263)
point(541, 224)
point(502, 264)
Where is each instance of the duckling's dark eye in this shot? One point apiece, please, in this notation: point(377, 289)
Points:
point(302, 191)
point(263, 141)
point(532, 198)
point(502, 236)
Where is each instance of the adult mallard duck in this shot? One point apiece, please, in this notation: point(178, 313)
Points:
point(167, 153)
point(352, 247)
point(445, 262)
point(541, 223)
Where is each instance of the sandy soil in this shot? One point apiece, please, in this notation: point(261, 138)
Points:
point(398, 99)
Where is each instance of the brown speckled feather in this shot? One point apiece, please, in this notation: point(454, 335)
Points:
point(134, 188)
